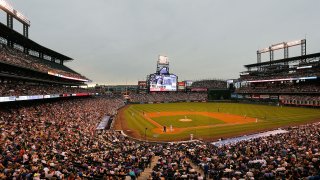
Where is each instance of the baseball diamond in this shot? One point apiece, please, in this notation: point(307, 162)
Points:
point(209, 121)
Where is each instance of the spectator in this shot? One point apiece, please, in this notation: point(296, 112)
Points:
point(16, 57)
point(168, 97)
point(58, 141)
point(210, 84)
point(19, 89)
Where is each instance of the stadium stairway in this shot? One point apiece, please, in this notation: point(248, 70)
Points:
point(196, 168)
point(147, 172)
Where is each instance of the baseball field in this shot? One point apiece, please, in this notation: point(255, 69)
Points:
point(207, 121)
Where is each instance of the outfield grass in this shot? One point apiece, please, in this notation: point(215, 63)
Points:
point(269, 117)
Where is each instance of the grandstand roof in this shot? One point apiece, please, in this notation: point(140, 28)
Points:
point(296, 58)
point(18, 38)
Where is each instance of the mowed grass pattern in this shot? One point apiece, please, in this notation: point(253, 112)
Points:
point(269, 117)
point(196, 120)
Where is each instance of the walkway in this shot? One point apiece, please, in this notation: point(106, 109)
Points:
point(196, 168)
point(147, 171)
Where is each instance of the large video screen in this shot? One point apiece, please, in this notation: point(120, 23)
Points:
point(163, 82)
point(163, 70)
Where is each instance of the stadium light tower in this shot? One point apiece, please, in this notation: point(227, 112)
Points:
point(12, 13)
point(285, 46)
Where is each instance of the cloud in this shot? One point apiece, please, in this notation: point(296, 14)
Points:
point(116, 41)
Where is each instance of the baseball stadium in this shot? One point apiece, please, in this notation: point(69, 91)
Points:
point(262, 124)
point(207, 120)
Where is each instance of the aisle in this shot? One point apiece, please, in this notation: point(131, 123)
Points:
point(196, 168)
point(147, 172)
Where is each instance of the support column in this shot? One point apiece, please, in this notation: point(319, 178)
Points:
point(258, 57)
point(40, 55)
point(10, 25)
point(271, 55)
point(286, 50)
point(286, 53)
point(9, 21)
point(25, 50)
point(303, 49)
point(26, 30)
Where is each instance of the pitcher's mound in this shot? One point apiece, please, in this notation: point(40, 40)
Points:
point(185, 120)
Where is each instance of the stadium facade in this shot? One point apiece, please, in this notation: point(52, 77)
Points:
point(30, 71)
point(289, 81)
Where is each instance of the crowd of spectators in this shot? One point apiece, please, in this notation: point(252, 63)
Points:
point(174, 164)
point(169, 97)
point(19, 89)
point(210, 84)
point(301, 97)
point(292, 155)
point(58, 140)
point(314, 73)
point(280, 88)
point(16, 57)
point(301, 100)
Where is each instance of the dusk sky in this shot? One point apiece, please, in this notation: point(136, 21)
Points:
point(118, 41)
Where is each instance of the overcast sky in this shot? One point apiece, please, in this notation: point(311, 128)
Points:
point(118, 41)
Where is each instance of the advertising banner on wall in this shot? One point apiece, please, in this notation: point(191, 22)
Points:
point(35, 97)
point(264, 96)
point(21, 98)
point(274, 97)
point(7, 99)
point(256, 96)
point(234, 95)
point(181, 86)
